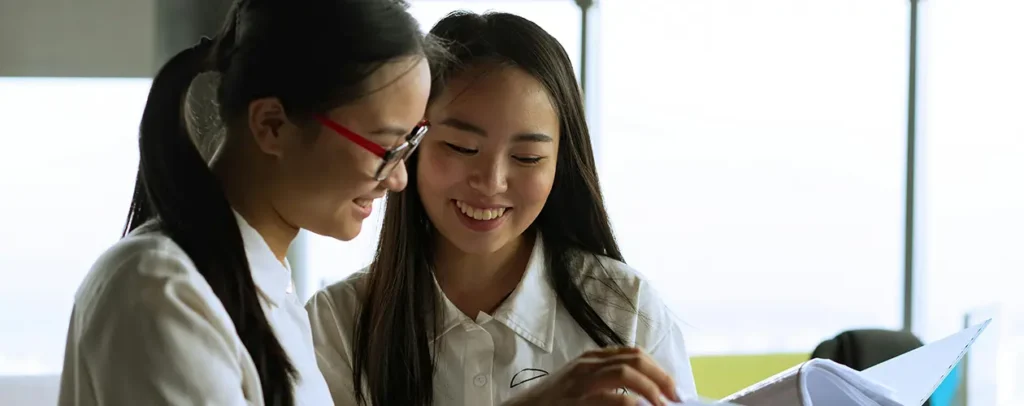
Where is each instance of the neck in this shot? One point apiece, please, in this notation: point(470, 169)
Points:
point(253, 204)
point(477, 283)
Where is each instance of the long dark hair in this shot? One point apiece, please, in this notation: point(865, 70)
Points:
point(312, 56)
point(574, 223)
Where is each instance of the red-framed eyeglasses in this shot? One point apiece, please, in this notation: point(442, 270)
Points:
point(391, 157)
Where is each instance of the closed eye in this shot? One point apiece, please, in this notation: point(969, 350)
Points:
point(461, 150)
point(529, 160)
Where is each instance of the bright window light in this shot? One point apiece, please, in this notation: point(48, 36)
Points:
point(971, 175)
point(67, 181)
point(752, 156)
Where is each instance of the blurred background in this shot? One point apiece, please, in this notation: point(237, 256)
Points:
point(782, 170)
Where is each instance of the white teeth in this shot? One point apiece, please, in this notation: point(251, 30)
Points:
point(479, 214)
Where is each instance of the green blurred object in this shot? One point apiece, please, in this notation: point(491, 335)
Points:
point(719, 376)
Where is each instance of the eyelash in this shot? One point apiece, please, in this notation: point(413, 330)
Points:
point(467, 151)
point(529, 161)
point(461, 150)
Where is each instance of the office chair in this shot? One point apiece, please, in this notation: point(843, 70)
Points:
point(863, 349)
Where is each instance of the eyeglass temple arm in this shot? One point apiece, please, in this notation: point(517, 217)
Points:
point(356, 138)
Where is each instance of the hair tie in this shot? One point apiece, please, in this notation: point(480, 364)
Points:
point(203, 44)
point(201, 52)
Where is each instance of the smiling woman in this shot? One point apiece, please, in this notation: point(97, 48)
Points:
point(499, 257)
point(199, 282)
point(491, 160)
point(324, 260)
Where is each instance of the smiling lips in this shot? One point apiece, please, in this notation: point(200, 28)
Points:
point(480, 219)
point(480, 214)
point(365, 207)
point(363, 202)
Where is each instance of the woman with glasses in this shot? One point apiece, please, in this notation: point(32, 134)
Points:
point(322, 100)
point(497, 278)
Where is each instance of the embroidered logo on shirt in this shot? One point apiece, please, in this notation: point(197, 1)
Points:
point(529, 374)
point(526, 375)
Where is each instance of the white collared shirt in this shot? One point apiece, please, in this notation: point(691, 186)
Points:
point(491, 358)
point(147, 329)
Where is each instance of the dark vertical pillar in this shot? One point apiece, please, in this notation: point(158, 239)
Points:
point(584, 6)
point(589, 68)
point(911, 177)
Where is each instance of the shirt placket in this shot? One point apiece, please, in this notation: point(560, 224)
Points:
point(479, 366)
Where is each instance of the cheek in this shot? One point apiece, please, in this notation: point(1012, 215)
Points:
point(298, 170)
point(535, 188)
point(329, 172)
point(436, 173)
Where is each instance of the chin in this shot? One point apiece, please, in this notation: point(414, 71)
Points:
point(344, 230)
point(348, 232)
point(476, 245)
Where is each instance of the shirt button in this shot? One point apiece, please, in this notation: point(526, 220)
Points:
point(480, 380)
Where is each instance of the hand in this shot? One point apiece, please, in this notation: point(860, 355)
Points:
point(595, 378)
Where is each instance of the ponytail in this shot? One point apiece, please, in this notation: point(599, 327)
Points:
point(176, 188)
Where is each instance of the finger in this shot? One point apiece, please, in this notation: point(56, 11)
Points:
point(592, 360)
point(635, 357)
point(609, 399)
point(622, 375)
point(605, 352)
point(643, 364)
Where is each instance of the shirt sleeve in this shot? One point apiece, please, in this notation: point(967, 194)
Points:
point(670, 353)
point(332, 332)
point(152, 338)
point(665, 342)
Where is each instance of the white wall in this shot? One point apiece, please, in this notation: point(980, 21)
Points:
point(77, 38)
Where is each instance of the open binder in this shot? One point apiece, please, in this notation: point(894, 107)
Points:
point(907, 380)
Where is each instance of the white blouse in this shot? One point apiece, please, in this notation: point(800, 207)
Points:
point(147, 329)
point(489, 359)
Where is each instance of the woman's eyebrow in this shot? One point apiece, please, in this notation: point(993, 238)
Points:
point(532, 137)
point(463, 125)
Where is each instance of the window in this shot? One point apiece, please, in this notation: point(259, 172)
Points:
point(971, 212)
point(67, 180)
point(328, 260)
point(752, 157)
point(560, 18)
point(972, 152)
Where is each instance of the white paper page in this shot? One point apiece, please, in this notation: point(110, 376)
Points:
point(827, 388)
point(858, 388)
point(853, 378)
point(699, 401)
point(772, 381)
point(695, 402)
point(914, 376)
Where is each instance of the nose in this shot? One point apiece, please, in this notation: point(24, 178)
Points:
point(397, 179)
point(490, 178)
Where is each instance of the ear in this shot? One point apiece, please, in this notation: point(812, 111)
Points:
point(266, 120)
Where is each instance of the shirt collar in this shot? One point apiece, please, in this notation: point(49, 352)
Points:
point(273, 279)
point(529, 310)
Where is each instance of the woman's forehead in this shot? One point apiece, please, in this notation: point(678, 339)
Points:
point(495, 95)
point(397, 96)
